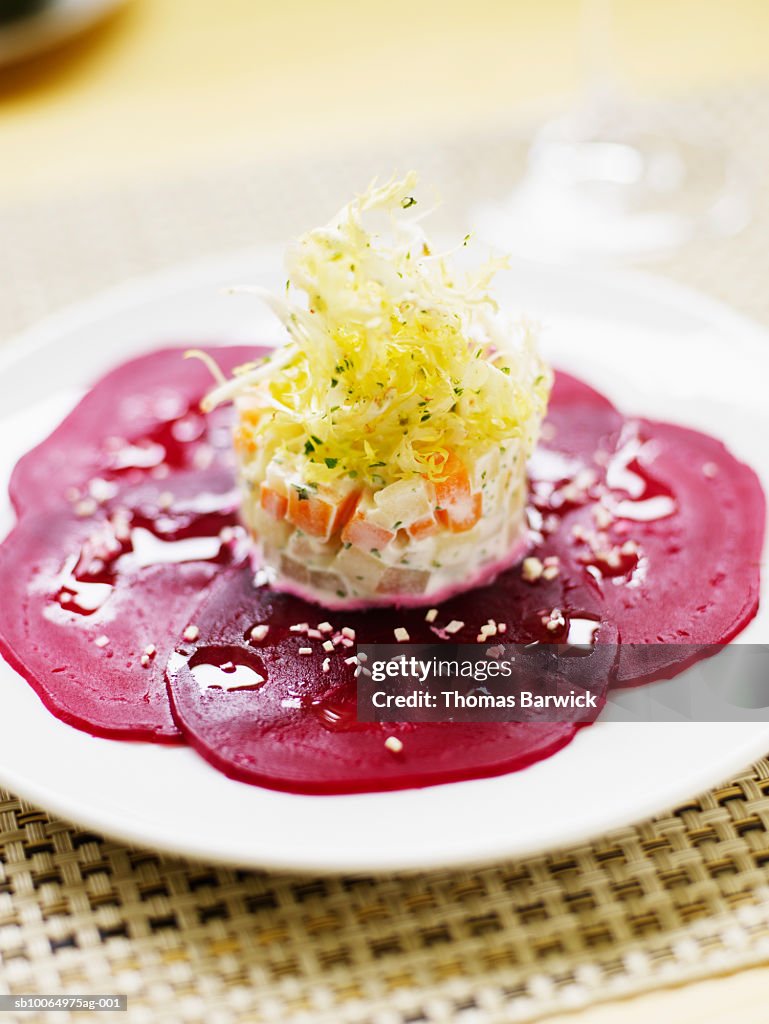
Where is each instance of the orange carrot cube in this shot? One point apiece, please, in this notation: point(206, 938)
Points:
point(455, 486)
point(422, 528)
point(318, 513)
point(243, 440)
point(273, 503)
point(458, 509)
point(462, 514)
point(365, 534)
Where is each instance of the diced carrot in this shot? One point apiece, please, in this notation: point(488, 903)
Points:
point(243, 440)
point(455, 487)
point(364, 534)
point(273, 503)
point(458, 509)
point(425, 527)
point(318, 514)
point(344, 510)
point(462, 515)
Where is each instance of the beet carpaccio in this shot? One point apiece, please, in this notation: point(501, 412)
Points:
point(203, 542)
point(131, 604)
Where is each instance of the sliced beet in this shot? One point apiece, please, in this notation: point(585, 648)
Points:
point(263, 713)
point(86, 599)
point(698, 577)
point(693, 583)
point(184, 493)
point(579, 418)
point(140, 402)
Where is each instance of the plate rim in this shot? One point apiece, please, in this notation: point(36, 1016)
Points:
point(739, 758)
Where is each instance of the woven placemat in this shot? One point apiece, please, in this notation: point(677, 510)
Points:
point(683, 896)
point(677, 898)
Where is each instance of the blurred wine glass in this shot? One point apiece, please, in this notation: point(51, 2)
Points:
point(604, 182)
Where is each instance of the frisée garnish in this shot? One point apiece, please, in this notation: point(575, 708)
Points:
point(393, 359)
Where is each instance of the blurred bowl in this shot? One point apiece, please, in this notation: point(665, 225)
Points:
point(29, 27)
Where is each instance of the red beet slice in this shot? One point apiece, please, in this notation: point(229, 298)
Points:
point(91, 584)
point(105, 690)
point(149, 402)
point(668, 536)
point(694, 584)
point(262, 713)
point(88, 597)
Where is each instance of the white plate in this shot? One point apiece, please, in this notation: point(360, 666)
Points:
point(52, 25)
point(654, 348)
